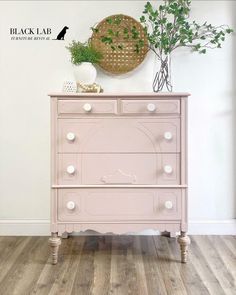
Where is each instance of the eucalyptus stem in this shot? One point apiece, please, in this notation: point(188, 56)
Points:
point(168, 27)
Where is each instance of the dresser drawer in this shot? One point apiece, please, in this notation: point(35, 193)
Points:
point(102, 169)
point(151, 107)
point(118, 135)
point(81, 205)
point(87, 107)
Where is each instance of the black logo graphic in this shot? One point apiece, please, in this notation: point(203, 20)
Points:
point(61, 35)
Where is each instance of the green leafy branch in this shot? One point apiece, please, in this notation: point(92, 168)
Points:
point(168, 28)
point(119, 34)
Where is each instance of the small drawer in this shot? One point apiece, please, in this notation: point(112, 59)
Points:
point(87, 107)
point(151, 107)
point(84, 205)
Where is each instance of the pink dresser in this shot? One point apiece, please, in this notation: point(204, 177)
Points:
point(119, 164)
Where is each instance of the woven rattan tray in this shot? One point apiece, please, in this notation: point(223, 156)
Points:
point(123, 60)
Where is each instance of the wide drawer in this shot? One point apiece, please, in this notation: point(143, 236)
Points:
point(109, 169)
point(151, 107)
point(81, 205)
point(118, 135)
point(87, 107)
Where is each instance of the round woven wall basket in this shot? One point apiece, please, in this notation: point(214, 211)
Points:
point(119, 61)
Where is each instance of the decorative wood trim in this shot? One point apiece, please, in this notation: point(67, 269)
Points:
point(41, 227)
point(119, 177)
point(119, 228)
point(55, 186)
point(127, 95)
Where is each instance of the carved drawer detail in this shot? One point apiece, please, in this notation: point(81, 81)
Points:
point(119, 135)
point(118, 169)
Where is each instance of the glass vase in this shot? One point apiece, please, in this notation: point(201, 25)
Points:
point(162, 78)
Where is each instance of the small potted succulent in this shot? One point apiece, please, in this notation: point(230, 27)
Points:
point(84, 57)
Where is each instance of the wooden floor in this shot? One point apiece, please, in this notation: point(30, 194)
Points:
point(123, 265)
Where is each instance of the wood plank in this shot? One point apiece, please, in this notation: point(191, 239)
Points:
point(7, 245)
point(50, 273)
point(228, 258)
point(140, 265)
point(84, 277)
point(10, 256)
point(118, 282)
point(65, 281)
point(230, 242)
point(32, 266)
point(170, 273)
point(15, 275)
point(191, 279)
point(130, 270)
point(102, 266)
point(217, 265)
point(153, 275)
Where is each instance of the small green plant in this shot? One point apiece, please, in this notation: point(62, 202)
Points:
point(83, 52)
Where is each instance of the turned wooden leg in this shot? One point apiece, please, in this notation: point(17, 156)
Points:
point(184, 242)
point(54, 242)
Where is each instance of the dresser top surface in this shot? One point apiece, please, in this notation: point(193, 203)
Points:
point(136, 95)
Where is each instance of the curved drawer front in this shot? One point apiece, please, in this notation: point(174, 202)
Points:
point(119, 135)
point(80, 205)
point(126, 169)
point(151, 107)
point(87, 107)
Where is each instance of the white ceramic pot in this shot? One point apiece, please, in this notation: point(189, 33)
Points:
point(85, 73)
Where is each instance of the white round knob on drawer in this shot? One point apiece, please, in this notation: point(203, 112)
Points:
point(87, 107)
point(168, 169)
point(151, 107)
point(70, 136)
point(70, 169)
point(168, 135)
point(168, 205)
point(70, 205)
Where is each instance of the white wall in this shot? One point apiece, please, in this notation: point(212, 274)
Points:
point(31, 69)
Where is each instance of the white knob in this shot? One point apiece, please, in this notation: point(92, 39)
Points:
point(151, 107)
point(70, 169)
point(168, 205)
point(168, 135)
point(70, 205)
point(70, 136)
point(168, 169)
point(87, 107)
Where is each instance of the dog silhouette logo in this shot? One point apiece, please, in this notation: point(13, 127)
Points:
point(61, 35)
